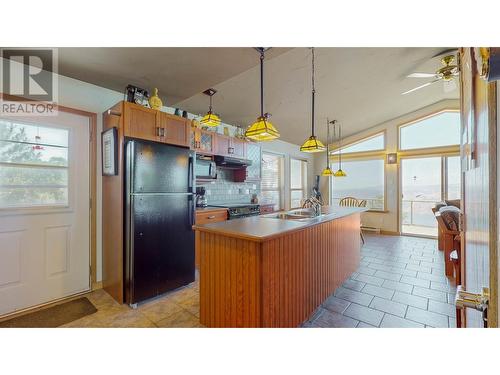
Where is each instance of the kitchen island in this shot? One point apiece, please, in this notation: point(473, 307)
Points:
point(265, 271)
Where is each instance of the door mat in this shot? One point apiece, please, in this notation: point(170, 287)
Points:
point(54, 316)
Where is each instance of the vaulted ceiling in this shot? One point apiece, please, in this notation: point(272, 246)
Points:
point(360, 87)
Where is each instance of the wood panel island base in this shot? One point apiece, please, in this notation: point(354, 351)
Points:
point(267, 272)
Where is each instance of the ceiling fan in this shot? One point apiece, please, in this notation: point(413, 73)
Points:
point(446, 73)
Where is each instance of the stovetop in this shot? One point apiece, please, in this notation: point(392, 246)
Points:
point(234, 205)
point(239, 210)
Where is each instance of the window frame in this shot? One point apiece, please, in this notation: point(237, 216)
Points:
point(364, 138)
point(426, 150)
point(281, 190)
point(304, 180)
point(363, 158)
point(70, 168)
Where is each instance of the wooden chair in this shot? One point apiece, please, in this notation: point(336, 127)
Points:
point(349, 202)
point(353, 202)
point(451, 242)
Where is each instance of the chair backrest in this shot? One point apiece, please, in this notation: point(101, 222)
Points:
point(362, 203)
point(349, 202)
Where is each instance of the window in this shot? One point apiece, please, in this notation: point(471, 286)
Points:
point(365, 180)
point(33, 165)
point(453, 181)
point(373, 143)
point(271, 184)
point(439, 130)
point(298, 182)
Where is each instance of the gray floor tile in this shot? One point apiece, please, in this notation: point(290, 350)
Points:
point(378, 291)
point(396, 285)
point(432, 277)
point(427, 317)
point(391, 321)
point(370, 279)
point(443, 287)
point(335, 304)
point(329, 319)
point(365, 271)
point(391, 307)
point(364, 314)
point(353, 296)
point(420, 268)
point(387, 275)
point(353, 284)
point(442, 308)
point(432, 265)
point(415, 281)
point(409, 299)
point(409, 273)
point(365, 325)
point(429, 293)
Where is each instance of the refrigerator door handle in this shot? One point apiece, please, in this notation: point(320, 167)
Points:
point(191, 174)
point(192, 210)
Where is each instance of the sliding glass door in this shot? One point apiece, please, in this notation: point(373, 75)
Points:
point(425, 181)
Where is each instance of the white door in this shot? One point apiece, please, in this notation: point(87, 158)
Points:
point(44, 209)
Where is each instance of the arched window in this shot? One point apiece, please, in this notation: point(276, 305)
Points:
point(439, 130)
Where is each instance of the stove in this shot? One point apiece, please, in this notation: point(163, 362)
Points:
point(237, 211)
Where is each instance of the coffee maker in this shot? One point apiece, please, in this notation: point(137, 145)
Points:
point(201, 198)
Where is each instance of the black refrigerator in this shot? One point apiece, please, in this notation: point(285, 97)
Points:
point(160, 209)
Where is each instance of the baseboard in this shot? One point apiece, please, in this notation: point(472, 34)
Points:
point(389, 233)
point(96, 285)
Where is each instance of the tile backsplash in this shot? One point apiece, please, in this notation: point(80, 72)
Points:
point(225, 190)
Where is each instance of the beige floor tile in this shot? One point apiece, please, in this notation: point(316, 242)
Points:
point(159, 309)
point(181, 319)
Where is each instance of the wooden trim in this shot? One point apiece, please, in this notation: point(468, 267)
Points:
point(92, 176)
point(493, 205)
point(389, 233)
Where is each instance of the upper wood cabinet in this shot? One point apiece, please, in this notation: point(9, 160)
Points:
point(173, 129)
point(230, 146)
point(149, 124)
point(203, 141)
point(140, 122)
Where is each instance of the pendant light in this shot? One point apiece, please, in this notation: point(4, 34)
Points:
point(340, 172)
point(327, 172)
point(312, 144)
point(210, 119)
point(262, 129)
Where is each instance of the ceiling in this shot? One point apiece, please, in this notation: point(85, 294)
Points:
point(178, 73)
point(360, 87)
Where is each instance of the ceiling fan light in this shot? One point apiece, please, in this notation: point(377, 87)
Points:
point(210, 119)
point(312, 144)
point(327, 172)
point(340, 173)
point(262, 130)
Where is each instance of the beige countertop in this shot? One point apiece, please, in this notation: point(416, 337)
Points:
point(260, 228)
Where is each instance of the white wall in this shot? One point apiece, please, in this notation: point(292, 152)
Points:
point(290, 150)
point(386, 221)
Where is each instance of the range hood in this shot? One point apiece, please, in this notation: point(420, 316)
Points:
point(230, 162)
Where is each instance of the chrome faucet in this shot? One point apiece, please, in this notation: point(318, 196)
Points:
point(313, 203)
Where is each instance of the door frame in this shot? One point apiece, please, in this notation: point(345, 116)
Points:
point(93, 189)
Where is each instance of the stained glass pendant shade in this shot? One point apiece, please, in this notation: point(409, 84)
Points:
point(210, 119)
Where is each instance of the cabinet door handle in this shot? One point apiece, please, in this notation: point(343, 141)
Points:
point(211, 217)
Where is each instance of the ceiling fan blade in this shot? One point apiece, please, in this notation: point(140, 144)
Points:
point(421, 86)
point(422, 75)
point(450, 86)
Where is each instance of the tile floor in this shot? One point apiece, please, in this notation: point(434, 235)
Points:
point(400, 283)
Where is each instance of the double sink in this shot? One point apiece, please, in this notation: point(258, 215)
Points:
point(298, 214)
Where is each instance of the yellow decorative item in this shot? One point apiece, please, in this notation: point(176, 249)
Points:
point(195, 123)
point(155, 101)
point(312, 144)
point(262, 129)
point(340, 173)
point(210, 119)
